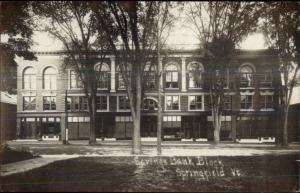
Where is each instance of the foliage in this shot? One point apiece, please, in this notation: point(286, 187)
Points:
point(16, 27)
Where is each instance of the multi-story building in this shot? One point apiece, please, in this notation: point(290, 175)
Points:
point(249, 105)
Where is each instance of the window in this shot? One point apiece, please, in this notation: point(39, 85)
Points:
point(246, 76)
point(75, 81)
point(150, 76)
point(29, 103)
point(172, 118)
point(121, 81)
point(150, 104)
point(83, 103)
point(266, 80)
point(49, 79)
point(101, 103)
point(29, 79)
point(124, 103)
point(195, 102)
point(172, 102)
point(246, 101)
point(195, 71)
point(49, 103)
point(77, 103)
point(267, 102)
point(103, 70)
point(227, 102)
point(172, 76)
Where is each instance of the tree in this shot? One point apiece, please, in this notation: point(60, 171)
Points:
point(220, 27)
point(135, 27)
point(74, 24)
point(165, 23)
point(15, 40)
point(281, 28)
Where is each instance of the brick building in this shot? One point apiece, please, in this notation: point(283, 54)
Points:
point(249, 107)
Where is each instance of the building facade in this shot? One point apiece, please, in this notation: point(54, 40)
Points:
point(249, 110)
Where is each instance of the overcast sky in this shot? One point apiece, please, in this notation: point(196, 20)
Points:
point(45, 43)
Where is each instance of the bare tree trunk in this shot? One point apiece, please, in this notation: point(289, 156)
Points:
point(217, 125)
point(285, 126)
point(92, 113)
point(136, 140)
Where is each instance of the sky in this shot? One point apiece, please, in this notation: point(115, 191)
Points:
point(43, 42)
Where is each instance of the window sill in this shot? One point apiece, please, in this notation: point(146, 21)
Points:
point(267, 109)
point(172, 110)
point(196, 110)
point(247, 110)
point(172, 88)
point(103, 110)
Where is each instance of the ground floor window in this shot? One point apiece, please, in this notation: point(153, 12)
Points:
point(77, 103)
point(124, 103)
point(172, 102)
point(102, 103)
point(246, 102)
point(29, 103)
point(49, 103)
point(266, 102)
point(196, 102)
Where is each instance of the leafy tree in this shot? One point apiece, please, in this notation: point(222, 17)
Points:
point(15, 40)
point(220, 27)
point(135, 26)
point(75, 25)
point(281, 28)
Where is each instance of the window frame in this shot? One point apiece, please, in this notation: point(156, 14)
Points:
point(172, 74)
point(202, 102)
point(172, 98)
point(30, 103)
point(31, 79)
point(50, 104)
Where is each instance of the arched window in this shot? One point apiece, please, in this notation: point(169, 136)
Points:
point(246, 72)
point(29, 79)
point(49, 79)
point(150, 76)
point(172, 76)
point(150, 104)
point(195, 71)
point(104, 72)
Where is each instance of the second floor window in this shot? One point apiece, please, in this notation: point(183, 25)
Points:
point(246, 76)
point(103, 81)
point(195, 102)
point(266, 80)
point(227, 102)
point(172, 102)
point(49, 79)
point(29, 103)
point(77, 103)
point(195, 71)
point(120, 74)
point(172, 76)
point(266, 102)
point(29, 79)
point(49, 103)
point(246, 102)
point(124, 103)
point(150, 77)
point(75, 81)
point(101, 103)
